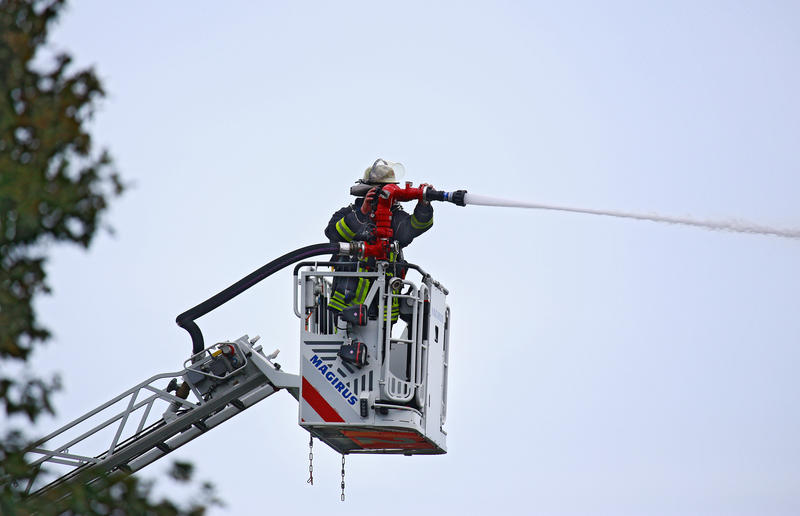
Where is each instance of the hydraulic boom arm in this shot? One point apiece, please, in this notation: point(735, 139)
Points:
point(149, 420)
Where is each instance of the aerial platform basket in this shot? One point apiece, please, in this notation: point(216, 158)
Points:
point(397, 401)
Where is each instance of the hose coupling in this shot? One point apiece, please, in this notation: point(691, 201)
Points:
point(351, 249)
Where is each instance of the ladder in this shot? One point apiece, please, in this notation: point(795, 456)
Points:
point(127, 432)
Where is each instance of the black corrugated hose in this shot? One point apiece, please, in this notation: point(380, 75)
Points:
point(186, 319)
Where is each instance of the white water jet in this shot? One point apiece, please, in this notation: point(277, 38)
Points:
point(718, 225)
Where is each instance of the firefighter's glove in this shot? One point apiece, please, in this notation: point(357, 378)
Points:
point(365, 234)
point(423, 202)
point(368, 206)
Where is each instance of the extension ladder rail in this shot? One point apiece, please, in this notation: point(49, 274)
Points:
point(181, 422)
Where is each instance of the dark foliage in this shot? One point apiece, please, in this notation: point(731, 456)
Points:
point(54, 188)
point(87, 495)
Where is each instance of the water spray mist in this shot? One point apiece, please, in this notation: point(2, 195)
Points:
point(718, 225)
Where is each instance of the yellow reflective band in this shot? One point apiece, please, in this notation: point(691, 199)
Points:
point(361, 290)
point(336, 305)
point(395, 310)
point(337, 301)
point(344, 231)
point(420, 225)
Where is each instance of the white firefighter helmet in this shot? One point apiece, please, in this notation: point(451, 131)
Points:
point(383, 172)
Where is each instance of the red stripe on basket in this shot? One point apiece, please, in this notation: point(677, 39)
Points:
point(318, 403)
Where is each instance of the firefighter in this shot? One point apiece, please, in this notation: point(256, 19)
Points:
point(354, 223)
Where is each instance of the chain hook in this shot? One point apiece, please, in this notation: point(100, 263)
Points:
point(342, 477)
point(310, 460)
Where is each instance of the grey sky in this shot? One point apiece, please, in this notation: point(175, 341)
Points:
point(599, 366)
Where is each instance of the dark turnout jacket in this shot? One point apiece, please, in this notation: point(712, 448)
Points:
point(349, 224)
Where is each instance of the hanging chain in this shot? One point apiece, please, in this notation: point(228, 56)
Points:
point(342, 477)
point(310, 460)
